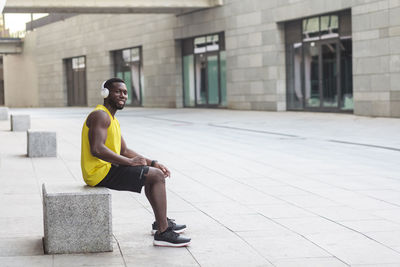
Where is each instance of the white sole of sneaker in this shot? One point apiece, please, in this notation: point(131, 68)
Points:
point(153, 232)
point(167, 244)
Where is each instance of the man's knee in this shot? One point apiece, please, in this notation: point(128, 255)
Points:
point(155, 176)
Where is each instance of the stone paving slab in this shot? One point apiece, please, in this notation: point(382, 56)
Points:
point(255, 188)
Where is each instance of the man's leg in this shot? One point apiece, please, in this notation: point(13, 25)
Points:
point(154, 187)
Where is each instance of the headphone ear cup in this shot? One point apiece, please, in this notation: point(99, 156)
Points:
point(104, 92)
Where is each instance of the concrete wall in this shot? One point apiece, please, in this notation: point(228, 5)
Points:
point(376, 58)
point(256, 59)
point(255, 50)
point(21, 76)
point(94, 36)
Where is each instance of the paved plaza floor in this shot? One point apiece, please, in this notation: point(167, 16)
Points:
point(281, 189)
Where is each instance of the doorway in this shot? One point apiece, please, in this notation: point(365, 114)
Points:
point(319, 63)
point(76, 81)
point(204, 71)
point(128, 67)
point(207, 79)
point(322, 73)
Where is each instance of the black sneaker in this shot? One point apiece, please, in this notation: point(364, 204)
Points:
point(178, 228)
point(169, 238)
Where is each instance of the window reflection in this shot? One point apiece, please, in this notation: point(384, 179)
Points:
point(204, 71)
point(128, 67)
point(319, 62)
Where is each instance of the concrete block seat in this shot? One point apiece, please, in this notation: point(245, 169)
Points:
point(76, 219)
point(20, 123)
point(3, 113)
point(41, 144)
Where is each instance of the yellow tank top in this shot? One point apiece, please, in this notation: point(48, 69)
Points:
point(94, 169)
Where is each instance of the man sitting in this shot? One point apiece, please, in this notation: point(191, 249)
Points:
point(107, 161)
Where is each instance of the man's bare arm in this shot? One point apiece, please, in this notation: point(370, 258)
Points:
point(98, 122)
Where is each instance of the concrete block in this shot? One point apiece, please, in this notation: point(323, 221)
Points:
point(20, 123)
point(372, 65)
point(395, 109)
point(76, 219)
point(394, 41)
point(394, 16)
point(249, 19)
point(3, 113)
point(395, 81)
point(380, 82)
point(41, 144)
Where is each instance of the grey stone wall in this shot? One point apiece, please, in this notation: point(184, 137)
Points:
point(95, 36)
point(254, 36)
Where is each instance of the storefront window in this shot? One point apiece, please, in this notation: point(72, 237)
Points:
point(128, 67)
point(204, 71)
point(318, 63)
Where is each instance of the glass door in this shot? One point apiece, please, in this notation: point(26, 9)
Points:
point(322, 75)
point(201, 79)
point(207, 79)
point(204, 71)
point(311, 75)
point(330, 83)
point(128, 67)
point(212, 79)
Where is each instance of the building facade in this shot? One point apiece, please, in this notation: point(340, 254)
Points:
point(303, 55)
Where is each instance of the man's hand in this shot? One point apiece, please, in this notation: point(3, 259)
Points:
point(163, 169)
point(138, 161)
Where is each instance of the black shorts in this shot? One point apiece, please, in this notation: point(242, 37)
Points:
point(125, 178)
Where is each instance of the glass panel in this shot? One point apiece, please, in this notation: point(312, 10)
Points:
point(329, 26)
point(128, 83)
point(126, 55)
point(135, 54)
point(222, 71)
point(293, 70)
point(201, 79)
point(200, 45)
point(128, 67)
point(212, 42)
point(311, 82)
point(75, 63)
point(212, 75)
point(76, 81)
point(346, 72)
point(120, 75)
point(81, 90)
point(188, 80)
point(329, 75)
point(311, 29)
point(135, 82)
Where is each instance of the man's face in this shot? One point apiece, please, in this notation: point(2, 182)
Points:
point(118, 95)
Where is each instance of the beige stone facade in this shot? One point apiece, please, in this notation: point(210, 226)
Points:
point(255, 54)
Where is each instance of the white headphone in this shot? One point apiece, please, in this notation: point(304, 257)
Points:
point(104, 91)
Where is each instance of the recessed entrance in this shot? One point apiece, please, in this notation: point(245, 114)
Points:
point(204, 71)
point(76, 80)
point(319, 63)
point(128, 67)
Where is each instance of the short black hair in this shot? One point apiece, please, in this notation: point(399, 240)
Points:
point(109, 83)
